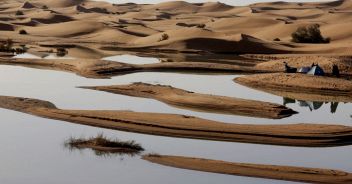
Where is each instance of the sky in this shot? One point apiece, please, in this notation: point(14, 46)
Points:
point(231, 2)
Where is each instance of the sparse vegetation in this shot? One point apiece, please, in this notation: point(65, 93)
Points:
point(309, 34)
point(18, 13)
point(277, 39)
point(164, 37)
point(23, 32)
point(61, 52)
point(104, 146)
point(7, 46)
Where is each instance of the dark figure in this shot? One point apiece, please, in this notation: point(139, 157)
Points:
point(333, 107)
point(335, 70)
point(289, 69)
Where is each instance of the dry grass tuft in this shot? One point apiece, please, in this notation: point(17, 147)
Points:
point(105, 146)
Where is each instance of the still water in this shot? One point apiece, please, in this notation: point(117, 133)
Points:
point(33, 151)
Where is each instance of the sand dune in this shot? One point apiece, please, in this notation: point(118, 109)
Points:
point(63, 3)
point(66, 29)
point(28, 5)
point(288, 173)
point(48, 17)
point(209, 27)
point(306, 135)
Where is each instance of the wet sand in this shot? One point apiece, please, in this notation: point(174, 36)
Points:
point(92, 68)
point(172, 125)
point(288, 173)
point(200, 102)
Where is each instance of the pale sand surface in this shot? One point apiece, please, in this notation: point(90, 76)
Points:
point(289, 173)
point(210, 27)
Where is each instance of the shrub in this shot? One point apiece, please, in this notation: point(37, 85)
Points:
point(23, 32)
point(164, 37)
point(277, 39)
point(7, 46)
point(105, 146)
point(309, 34)
point(61, 52)
point(19, 13)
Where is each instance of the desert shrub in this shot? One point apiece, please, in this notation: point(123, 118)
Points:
point(19, 13)
point(61, 52)
point(309, 34)
point(201, 26)
point(7, 46)
point(277, 39)
point(164, 37)
point(23, 32)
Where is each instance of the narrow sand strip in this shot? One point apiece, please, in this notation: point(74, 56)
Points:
point(172, 125)
point(299, 83)
point(105, 69)
point(287, 173)
point(200, 102)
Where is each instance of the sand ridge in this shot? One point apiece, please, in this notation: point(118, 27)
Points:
point(95, 68)
point(287, 173)
point(200, 102)
point(173, 125)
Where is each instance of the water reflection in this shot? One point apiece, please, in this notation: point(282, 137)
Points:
point(312, 105)
point(42, 56)
point(132, 59)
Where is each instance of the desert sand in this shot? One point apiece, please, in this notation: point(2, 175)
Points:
point(193, 37)
point(172, 125)
point(288, 173)
point(205, 27)
point(200, 102)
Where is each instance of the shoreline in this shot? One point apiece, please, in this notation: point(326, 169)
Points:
point(286, 173)
point(173, 125)
point(200, 102)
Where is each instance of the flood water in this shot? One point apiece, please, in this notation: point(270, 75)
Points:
point(33, 152)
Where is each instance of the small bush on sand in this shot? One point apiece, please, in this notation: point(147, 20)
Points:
point(23, 32)
point(18, 13)
point(277, 39)
point(103, 145)
point(309, 34)
point(61, 52)
point(164, 37)
point(6, 46)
